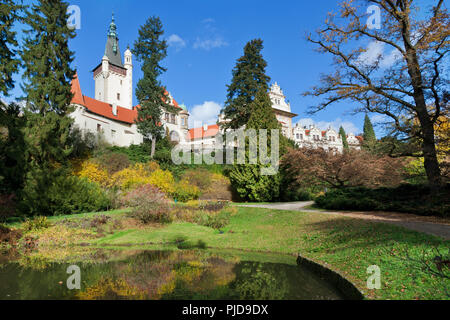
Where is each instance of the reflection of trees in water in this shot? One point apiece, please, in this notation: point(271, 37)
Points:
point(257, 281)
point(162, 275)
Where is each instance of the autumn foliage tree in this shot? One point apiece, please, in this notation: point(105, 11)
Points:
point(416, 40)
point(353, 168)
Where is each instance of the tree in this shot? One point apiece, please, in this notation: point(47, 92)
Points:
point(370, 139)
point(249, 77)
point(11, 137)
point(8, 61)
point(354, 168)
point(402, 90)
point(151, 49)
point(47, 58)
point(343, 135)
point(247, 178)
point(47, 85)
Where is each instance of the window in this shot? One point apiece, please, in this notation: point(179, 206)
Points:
point(113, 133)
point(99, 127)
point(120, 82)
point(166, 117)
point(301, 136)
point(118, 96)
point(172, 119)
point(298, 136)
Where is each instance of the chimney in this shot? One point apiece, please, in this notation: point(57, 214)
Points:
point(114, 109)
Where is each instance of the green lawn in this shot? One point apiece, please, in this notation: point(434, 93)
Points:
point(346, 245)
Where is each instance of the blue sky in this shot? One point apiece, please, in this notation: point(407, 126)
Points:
point(206, 37)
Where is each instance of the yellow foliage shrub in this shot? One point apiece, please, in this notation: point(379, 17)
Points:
point(163, 180)
point(93, 173)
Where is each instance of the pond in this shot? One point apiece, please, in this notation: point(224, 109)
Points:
point(165, 275)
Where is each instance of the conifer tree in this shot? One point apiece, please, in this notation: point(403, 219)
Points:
point(249, 77)
point(247, 178)
point(47, 58)
point(343, 135)
point(369, 136)
point(11, 136)
point(8, 62)
point(47, 86)
point(151, 49)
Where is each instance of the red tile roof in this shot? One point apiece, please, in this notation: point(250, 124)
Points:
point(201, 133)
point(105, 109)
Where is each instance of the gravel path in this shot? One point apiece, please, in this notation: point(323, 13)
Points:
point(431, 225)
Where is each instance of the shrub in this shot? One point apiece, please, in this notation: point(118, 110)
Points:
point(133, 176)
point(135, 153)
point(36, 224)
point(353, 168)
point(163, 180)
point(149, 205)
point(220, 189)
point(184, 192)
point(201, 178)
point(416, 199)
point(113, 162)
point(92, 171)
point(214, 220)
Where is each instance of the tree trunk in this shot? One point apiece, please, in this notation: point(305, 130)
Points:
point(430, 157)
point(426, 124)
point(153, 148)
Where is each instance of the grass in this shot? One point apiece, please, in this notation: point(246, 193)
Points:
point(346, 245)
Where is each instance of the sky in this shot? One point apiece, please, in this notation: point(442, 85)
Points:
point(207, 37)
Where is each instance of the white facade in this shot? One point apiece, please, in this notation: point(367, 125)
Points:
point(313, 137)
point(282, 109)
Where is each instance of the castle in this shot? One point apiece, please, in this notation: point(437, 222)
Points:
point(112, 114)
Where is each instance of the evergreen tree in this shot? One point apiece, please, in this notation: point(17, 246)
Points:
point(11, 136)
point(151, 49)
point(247, 178)
point(47, 85)
point(369, 136)
point(47, 58)
point(8, 62)
point(249, 77)
point(343, 135)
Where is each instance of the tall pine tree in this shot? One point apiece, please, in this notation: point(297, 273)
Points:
point(369, 136)
point(47, 86)
point(151, 49)
point(47, 58)
point(11, 123)
point(8, 61)
point(343, 135)
point(249, 77)
point(247, 178)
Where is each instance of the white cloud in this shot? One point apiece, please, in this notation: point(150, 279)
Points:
point(376, 51)
point(176, 41)
point(208, 44)
point(206, 113)
point(348, 126)
point(208, 20)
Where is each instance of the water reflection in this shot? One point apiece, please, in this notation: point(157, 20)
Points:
point(164, 275)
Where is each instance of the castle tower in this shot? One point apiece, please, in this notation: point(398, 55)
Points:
point(113, 79)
